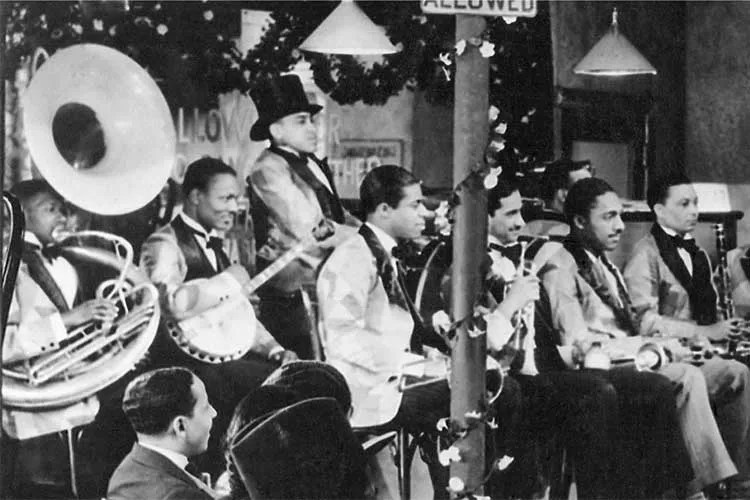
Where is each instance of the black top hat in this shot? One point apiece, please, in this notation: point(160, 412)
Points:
point(275, 99)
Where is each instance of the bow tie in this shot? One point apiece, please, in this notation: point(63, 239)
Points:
point(687, 244)
point(49, 252)
point(215, 243)
point(511, 252)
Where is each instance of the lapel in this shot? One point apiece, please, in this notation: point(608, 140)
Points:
point(153, 460)
point(329, 201)
point(671, 257)
point(699, 287)
point(41, 275)
point(198, 265)
point(594, 277)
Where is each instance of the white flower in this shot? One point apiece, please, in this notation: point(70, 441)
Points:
point(208, 15)
point(98, 24)
point(456, 484)
point(510, 19)
point(77, 28)
point(487, 49)
point(525, 119)
point(441, 321)
point(162, 29)
point(452, 454)
point(473, 414)
point(493, 113)
point(501, 128)
point(17, 37)
point(445, 58)
point(504, 462)
point(460, 47)
point(475, 331)
point(442, 425)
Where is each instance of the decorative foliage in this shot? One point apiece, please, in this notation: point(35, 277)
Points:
point(189, 49)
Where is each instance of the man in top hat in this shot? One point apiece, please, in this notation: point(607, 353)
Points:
point(292, 191)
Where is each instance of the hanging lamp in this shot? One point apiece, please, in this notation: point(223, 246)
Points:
point(614, 55)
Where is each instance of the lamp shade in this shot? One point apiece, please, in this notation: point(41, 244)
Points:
point(614, 55)
point(348, 30)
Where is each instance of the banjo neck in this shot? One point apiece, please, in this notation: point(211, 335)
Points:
point(269, 272)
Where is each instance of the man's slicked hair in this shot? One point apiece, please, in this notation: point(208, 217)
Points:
point(506, 186)
point(198, 174)
point(155, 398)
point(658, 188)
point(582, 197)
point(384, 184)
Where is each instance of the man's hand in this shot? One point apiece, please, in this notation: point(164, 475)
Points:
point(721, 330)
point(284, 357)
point(93, 310)
point(523, 290)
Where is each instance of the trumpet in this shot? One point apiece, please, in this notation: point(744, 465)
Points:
point(523, 335)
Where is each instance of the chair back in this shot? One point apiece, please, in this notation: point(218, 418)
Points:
point(306, 450)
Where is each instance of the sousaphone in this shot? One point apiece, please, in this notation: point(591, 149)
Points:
point(100, 132)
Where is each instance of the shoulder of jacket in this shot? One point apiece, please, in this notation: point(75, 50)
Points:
point(268, 160)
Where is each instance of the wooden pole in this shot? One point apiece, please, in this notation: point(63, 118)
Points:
point(469, 243)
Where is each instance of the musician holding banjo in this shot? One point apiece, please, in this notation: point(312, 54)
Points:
point(589, 302)
point(670, 281)
point(188, 255)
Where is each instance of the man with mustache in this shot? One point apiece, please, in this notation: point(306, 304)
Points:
point(589, 302)
point(670, 283)
point(592, 412)
point(291, 191)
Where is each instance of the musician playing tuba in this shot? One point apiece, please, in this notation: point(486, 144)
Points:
point(190, 248)
point(589, 302)
point(670, 281)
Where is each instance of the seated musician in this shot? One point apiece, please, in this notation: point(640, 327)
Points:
point(590, 302)
point(670, 282)
point(738, 261)
point(557, 179)
point(190, 247)
point(368, 318)
point(292, 192)
point(46, 305)
point(170, 413)
point(579, 407)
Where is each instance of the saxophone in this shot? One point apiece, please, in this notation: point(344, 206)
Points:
point(725, 305)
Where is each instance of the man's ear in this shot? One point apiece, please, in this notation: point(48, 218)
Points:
point(194, 196)
point(579, 221)
point(177, 427)
point(383, 209)
point(658, 210)
point(274, 130)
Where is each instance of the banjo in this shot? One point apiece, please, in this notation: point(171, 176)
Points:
point(212, 319)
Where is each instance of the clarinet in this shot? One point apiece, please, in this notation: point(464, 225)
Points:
point(725, 304)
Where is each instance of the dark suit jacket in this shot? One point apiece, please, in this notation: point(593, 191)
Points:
point(145, 474)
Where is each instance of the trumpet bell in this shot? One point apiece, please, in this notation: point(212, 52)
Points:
point(99, 129)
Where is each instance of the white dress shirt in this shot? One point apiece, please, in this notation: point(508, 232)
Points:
point(61, 271)
point(202, 237)
point(314, 168)
point(178, 459)
point(684, 254)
